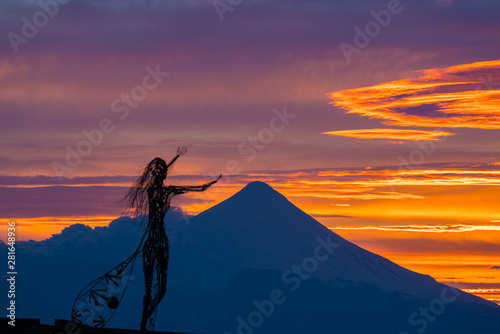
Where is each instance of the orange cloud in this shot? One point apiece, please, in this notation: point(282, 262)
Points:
point(437, 228)
point(360, 196)
point(414, 135)
point(463, 96)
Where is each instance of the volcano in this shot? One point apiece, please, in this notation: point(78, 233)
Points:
point(255, 263)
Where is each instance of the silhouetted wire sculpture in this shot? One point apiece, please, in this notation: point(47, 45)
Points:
point(148, 197)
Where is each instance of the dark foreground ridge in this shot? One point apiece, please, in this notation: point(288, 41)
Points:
point(33, 326)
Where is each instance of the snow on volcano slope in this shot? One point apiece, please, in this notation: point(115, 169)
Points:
point(254, 263)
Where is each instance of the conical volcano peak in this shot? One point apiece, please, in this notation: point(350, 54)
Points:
point(259, 191)
point(257, 186)
point(258, 195)
point(258, 212)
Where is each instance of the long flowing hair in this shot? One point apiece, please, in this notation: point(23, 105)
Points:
point(136, 198)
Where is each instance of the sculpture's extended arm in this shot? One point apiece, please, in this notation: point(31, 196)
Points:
point(177, 190)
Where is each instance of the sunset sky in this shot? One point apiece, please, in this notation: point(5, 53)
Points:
point(394, 145)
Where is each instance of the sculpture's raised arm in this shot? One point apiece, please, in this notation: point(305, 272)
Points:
point(181, 150)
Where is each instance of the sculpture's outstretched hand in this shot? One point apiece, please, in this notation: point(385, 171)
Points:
point(177, 190)
point(181, 150)
point(206, 185)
